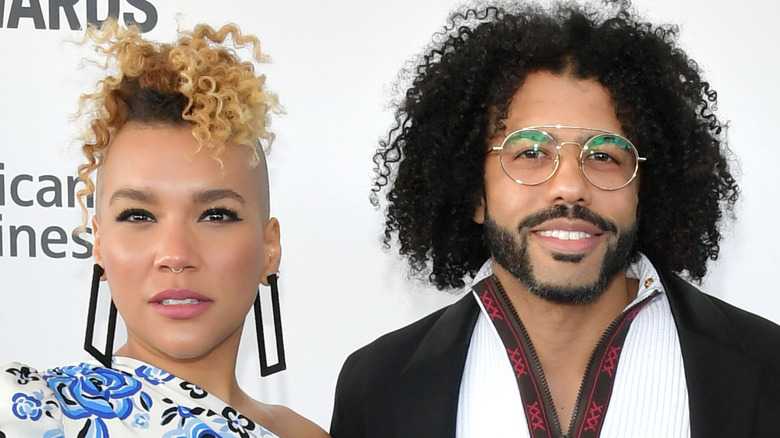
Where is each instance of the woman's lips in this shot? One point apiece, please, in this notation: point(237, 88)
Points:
point(180, 303)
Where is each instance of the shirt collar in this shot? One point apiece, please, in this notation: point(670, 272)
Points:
point(649, 280)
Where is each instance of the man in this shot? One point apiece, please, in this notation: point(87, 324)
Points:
point(570, 164)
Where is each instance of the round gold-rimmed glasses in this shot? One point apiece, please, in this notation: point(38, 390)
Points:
point(531, 156)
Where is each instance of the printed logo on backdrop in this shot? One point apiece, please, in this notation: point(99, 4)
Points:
point(44, 192)
point(74, 13)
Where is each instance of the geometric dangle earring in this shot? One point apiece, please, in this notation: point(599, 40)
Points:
point(281, 364)
point(104, 357)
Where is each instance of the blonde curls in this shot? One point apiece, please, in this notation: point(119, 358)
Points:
point(199, 76)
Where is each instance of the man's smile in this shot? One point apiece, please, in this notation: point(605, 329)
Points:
point(564, 235)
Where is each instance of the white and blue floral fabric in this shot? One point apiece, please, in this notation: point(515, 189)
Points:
point(130, 399)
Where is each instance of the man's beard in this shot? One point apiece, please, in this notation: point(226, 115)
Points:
point(514, 257)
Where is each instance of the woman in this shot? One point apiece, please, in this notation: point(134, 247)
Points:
point(182, 236)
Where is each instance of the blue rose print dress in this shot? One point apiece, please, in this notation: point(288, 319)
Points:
point(131, 399)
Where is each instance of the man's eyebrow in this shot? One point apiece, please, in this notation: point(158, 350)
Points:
point(208, 196)
point(584, 137)
point(134, 195)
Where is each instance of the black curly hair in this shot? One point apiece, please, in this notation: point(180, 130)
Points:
point(432, 162)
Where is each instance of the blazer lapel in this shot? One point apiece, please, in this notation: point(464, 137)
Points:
point(719, 374)
point(430, 383)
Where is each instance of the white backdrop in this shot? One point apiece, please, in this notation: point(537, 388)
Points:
point(333, 67)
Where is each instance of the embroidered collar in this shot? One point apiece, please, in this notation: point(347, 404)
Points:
point(598, 379)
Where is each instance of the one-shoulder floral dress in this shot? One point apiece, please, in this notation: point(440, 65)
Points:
point(131, 399)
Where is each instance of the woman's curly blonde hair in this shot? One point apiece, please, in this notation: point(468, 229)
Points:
point(197, 80)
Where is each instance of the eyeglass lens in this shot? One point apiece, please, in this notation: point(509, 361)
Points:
point(531, 156)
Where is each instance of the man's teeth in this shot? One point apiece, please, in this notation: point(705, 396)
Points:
point(172, 302)
point(565, 235)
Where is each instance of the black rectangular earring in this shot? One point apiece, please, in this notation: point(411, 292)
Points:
point(104, 357)
point(281, 364)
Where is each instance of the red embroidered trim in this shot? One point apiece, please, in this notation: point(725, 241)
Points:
point(598, 381)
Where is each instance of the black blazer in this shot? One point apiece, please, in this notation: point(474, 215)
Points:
point(406, 383)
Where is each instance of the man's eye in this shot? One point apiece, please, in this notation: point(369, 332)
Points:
point(530, 154)
point(219, 215)
point(602, 157)
point(135, 215)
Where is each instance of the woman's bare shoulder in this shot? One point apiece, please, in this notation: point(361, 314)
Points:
point(293, 425)
point(285, 422)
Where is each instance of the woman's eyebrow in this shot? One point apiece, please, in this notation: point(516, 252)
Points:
point(208, 196)
point(134, 195)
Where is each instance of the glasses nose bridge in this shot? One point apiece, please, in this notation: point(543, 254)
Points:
point(561, 144)
point(559, 147)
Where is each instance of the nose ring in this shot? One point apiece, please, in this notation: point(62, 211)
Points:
point(177, 271)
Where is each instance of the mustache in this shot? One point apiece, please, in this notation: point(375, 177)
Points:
point(573, 212)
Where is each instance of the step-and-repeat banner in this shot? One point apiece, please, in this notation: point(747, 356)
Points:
point(333, 67)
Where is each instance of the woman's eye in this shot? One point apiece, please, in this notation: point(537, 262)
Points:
point(219, 215)
point(135, 215)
